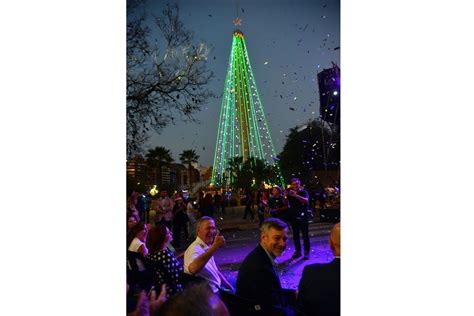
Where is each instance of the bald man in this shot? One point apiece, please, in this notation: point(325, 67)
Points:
point(319, 291)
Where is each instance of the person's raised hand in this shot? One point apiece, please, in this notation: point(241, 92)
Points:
point(219, 240)
point(142, 306)
point(155, 303)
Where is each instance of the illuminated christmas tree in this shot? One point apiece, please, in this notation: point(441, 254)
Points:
point(243, 130)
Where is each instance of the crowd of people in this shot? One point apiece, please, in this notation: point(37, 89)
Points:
point(191, 283)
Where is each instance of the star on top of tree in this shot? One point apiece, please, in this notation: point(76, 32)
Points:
point(237, 21)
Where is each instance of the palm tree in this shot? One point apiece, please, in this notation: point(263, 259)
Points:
point(157, 158)
point(187, 157)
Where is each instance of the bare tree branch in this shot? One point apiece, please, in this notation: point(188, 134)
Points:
point(166, 79)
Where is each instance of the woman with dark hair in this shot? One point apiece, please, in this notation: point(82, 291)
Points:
point(132, 220)
point(138, 235)
point(162, 261)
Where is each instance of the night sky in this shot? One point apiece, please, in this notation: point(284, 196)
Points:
point(287, 41)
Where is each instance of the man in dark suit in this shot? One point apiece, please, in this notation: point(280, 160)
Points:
point(258, 280)
point(319, 291)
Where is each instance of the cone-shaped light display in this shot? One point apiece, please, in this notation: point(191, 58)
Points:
point(243, 130)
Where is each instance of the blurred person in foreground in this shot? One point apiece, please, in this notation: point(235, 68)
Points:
point(319, 291)
point(258, 278)
point(196, 300)
point(151, 306)
point(199, 256)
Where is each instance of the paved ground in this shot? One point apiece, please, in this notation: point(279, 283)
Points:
point(242, 237)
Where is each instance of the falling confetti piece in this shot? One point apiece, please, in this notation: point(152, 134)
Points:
point(210, 15)
point(292, 108)
point(265, 63)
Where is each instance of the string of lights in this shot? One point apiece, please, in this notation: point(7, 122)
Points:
point(243, 129)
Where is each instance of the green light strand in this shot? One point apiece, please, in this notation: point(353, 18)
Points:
point(256, 135)
point(241, 110)
point(243, 98)
point(267, 129)
point(226, 122)
point(219, 131)
point(217, 169)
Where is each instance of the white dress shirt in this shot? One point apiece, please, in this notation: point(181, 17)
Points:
point(209, 271)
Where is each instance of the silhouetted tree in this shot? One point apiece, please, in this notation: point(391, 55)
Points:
point(166, 73)
point(156, 159)
point(313, 146)
point(187, 157)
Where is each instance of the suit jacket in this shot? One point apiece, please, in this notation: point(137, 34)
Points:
point(258, 280)
point(319, 291)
